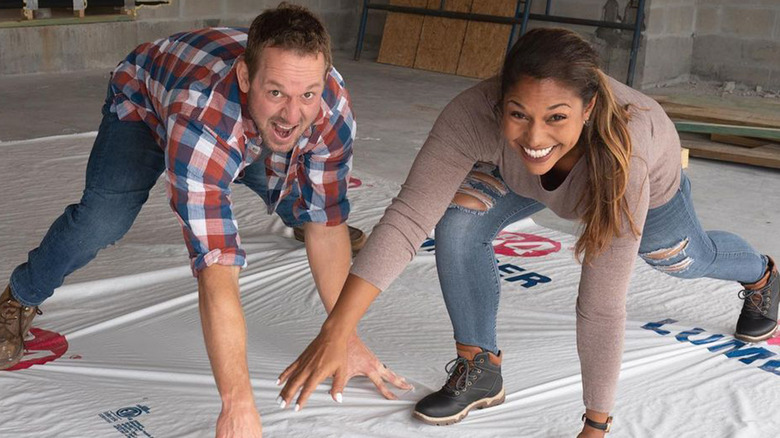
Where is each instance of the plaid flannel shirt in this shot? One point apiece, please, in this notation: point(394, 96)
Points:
point(185, 89)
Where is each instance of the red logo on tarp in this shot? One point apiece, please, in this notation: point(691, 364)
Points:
point(774, 340)
point(524, 245)
point(45, 346)
point(354, 183)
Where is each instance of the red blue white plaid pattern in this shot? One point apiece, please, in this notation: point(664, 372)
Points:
point(185, 89)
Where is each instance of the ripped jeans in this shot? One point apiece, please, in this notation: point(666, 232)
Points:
point(673, 242)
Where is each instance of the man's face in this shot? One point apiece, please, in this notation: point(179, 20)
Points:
point(284, 95)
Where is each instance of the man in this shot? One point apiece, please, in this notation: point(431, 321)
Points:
point(208, 108)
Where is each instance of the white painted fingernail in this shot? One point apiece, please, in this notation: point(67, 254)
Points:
point(283, 404)
point(339, 398)
point(297, 407)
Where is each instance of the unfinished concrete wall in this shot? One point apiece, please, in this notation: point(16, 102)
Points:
point(738, 41)
point(75, 47)
point(668, 42)
point(713, 39)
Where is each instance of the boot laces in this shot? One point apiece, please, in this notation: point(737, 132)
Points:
point(757, 300)
point(459, 371)
point(10, 311)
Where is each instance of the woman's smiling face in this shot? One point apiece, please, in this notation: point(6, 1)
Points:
point(543, 120)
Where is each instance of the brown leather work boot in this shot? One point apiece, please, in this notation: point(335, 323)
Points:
point(357, 238)
point(15, 321)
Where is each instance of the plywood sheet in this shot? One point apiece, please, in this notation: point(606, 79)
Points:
point(441, 39)
point(485, 43)
point(401, 35)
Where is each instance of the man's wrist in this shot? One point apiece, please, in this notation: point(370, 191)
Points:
point(238, 400)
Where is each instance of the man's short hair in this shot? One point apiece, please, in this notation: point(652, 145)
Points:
point(289, 27)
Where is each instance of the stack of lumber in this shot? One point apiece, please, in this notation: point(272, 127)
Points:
point(446, 45)
point(740, 130)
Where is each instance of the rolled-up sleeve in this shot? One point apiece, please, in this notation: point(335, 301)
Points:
point(199, 168)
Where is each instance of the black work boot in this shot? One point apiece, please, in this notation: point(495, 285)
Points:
point(15, 321)
point(758, 320)
point(474, 382)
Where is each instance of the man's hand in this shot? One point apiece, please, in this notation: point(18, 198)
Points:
point(239, 422)
point(362, 362)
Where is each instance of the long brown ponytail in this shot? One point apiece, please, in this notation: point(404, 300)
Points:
point(563, 55)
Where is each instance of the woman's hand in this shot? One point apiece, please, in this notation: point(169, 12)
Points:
point(360, 362)
point(325, 357)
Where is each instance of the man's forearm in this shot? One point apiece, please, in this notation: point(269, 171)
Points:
point(330, 256)
point(224, 331)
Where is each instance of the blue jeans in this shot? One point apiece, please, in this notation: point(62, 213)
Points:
point(123, 166)
point(673, 242)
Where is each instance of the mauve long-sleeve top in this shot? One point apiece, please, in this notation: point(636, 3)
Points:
point(469, 130)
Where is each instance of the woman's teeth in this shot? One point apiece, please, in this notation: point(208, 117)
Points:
point(538, 153)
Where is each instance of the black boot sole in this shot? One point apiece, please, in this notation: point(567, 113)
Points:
point(452, 419)
point(760, 338)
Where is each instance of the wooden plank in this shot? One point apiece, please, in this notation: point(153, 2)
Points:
point(764, 156)
point(731, 110)
point(745, 142)
point(485, 44)
point(713, 128)
point(401, 35)
point(441, 39)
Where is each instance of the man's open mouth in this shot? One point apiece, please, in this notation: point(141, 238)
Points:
point(283, 131)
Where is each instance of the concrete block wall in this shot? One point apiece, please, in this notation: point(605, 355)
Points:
point(668, 42)
point(76, 47)
point(738, 41)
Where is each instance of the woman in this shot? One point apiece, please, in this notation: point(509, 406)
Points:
point(553, 131)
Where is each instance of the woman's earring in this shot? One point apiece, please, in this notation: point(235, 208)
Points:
point(586, 123)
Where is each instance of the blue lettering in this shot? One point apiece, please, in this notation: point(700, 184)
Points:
point(530, 279)
point(686, 335)
point(509, 269)
point(771, 366)
point(752, 353)
point(683, 336)
point(711, 339)
point(655, 326)
point(736, 345)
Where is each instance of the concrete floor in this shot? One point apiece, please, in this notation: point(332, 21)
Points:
point(395, 108)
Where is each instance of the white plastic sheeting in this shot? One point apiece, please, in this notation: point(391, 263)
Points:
point(132, 361)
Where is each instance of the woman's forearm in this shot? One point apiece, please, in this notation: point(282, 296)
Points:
point(352, 304)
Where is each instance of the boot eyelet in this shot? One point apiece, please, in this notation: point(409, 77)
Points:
point(482, 361)
point(468, 383)
point(479, 371)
